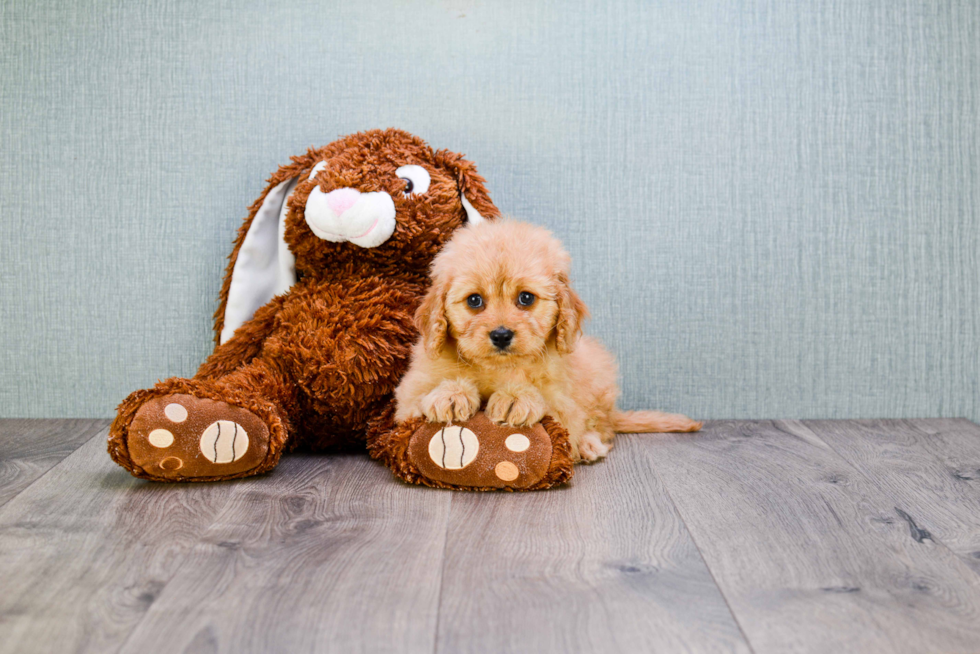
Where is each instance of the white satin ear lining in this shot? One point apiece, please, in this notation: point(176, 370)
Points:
point(286, 275)
point(317, 168)
point(472, 215)
point(265, 267)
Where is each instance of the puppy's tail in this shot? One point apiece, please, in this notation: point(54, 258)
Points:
point(643, 422)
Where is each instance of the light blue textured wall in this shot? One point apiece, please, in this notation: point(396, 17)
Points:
point(774, 207)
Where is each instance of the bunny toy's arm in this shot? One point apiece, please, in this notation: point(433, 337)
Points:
point(245, 345)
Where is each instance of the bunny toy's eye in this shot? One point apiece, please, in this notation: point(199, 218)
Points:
point(416, 179)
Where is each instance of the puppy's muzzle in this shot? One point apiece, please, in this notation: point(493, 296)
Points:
point(501, 338)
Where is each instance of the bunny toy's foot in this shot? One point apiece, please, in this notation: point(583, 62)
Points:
point(477, 454)
point(184, 438)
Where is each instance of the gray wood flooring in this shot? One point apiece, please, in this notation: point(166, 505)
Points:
point(814, 536)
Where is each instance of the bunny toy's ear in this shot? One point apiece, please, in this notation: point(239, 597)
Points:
point(472, 187)
point(264, 266)
point(261, 265)
point(472, 215)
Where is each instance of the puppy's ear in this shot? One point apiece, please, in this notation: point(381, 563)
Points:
point(571, 312)
point(430, 319)
point(473, 195)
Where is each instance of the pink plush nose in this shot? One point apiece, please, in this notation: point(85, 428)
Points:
point(342, 199)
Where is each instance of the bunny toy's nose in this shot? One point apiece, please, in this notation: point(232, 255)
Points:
point(345, 214)
point(342, 199)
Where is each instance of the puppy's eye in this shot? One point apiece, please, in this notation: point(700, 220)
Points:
point(416, 179)
point(474, 301)
point(525, 299)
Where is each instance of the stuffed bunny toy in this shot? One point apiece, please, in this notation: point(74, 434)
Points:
point(315, 321)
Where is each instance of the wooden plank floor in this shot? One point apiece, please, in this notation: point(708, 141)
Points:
point(815, 536)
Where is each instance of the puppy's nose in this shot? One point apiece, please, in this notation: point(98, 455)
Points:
point(501, 337)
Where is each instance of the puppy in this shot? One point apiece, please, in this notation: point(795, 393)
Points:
point(501, 325)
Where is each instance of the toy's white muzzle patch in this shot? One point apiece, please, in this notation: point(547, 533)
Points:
point(345, 214)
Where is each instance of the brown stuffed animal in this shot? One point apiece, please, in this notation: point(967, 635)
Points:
point(314, 326)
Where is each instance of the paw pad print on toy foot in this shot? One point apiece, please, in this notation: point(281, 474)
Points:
point(479, 453)
point(185, 437)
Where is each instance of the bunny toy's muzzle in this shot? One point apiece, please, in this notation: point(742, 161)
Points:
point(346, 214)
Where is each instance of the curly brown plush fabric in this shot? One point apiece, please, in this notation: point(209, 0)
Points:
point(316, 364)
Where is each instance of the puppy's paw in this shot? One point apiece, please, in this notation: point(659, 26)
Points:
point(451, 401)
point(518, 409)
point(591, 448)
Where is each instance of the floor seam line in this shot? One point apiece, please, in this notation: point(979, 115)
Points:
point(184, 562)
point(885, 493)
point(47, 472)
point(442, 574)
point(694, 541)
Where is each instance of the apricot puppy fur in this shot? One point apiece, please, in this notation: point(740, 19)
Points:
point(501, 324)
